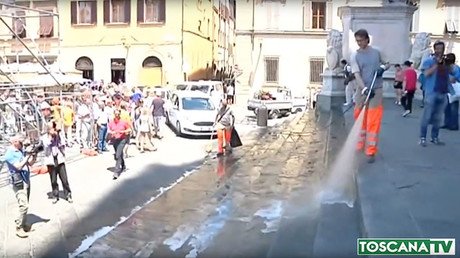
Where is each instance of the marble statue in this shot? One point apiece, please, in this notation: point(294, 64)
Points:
point(334, 50)
point(421, 49)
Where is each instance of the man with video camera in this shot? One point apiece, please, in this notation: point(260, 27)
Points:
point(19, 160)
point(437, 71)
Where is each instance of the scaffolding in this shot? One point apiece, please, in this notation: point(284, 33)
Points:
point(20, 113)
point(20, 103)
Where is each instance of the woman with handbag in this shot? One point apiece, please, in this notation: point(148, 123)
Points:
point(225, 121)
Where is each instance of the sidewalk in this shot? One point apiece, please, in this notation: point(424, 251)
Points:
point(411, 191)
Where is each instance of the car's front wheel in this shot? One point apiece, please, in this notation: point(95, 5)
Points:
point(167, 118)
point(178, 129)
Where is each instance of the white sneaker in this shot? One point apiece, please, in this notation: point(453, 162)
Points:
point(407, 112)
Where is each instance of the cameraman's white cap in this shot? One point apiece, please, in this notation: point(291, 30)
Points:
point(18, 138)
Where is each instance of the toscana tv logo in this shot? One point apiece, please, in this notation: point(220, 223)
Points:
point(406, 246)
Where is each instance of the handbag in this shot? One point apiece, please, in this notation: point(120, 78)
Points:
point(235, 140)
point(455, 95)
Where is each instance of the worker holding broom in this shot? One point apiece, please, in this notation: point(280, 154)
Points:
point(366, 65)
point(225, 121)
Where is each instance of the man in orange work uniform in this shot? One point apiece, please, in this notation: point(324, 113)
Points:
point(365, 62)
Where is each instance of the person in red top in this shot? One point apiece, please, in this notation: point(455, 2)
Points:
point(119, 131)
point(409, 87)
point(398, 83)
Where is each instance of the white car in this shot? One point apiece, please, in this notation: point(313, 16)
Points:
point(191, 113)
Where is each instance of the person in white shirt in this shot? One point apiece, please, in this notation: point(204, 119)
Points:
point(108, 109)
point(84, 115)
point(102, 122)
point(349, 83)
point(230, 94)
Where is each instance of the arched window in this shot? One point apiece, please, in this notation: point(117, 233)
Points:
point(84, 63)
point(151, 61)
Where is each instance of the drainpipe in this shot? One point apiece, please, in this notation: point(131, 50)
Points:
point(253, 22)
point(182, 43)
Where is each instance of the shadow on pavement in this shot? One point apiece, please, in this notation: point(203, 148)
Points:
point(127, 196)
point(32, 219)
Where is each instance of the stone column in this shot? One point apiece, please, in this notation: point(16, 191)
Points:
point(332, 93)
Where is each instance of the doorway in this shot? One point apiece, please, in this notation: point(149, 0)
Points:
point(151, 73)
point(118, 66)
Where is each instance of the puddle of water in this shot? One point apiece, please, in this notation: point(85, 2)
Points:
point(179, 238)
point(339, 184)
point(201, 240)
point(272, 216)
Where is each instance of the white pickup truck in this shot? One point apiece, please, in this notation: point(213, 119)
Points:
point(278, 103)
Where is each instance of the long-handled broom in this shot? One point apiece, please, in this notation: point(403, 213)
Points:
point(209, 145)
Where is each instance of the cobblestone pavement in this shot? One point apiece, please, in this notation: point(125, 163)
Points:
point(236, 205)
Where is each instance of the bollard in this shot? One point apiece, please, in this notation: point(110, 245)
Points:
point(262, 116)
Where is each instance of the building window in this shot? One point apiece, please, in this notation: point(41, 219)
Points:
point(19, 24)
point(151, 62)
point(85, 65)
point(271, 69)
point(118, 67)
point(46, 26)
point(316, 69)
point(318, 15)
point(151, 11)
point(452, 19)
point(117, 11)
point(83, 12)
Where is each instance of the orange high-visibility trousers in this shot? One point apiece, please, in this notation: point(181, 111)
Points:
point(221, 134)
point(370, 129)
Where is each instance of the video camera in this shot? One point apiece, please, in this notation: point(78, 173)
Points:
point(448, 59)
point(34, 148)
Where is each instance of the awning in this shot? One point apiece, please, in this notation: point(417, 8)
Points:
point(46, 26)
point(47, 80)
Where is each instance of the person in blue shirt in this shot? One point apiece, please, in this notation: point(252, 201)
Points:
point(18, 162)
point(451, 111)
point(436, 85)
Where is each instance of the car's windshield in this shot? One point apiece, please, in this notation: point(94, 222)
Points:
point(202, 88)
point(196, 103)
point(181, 87)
